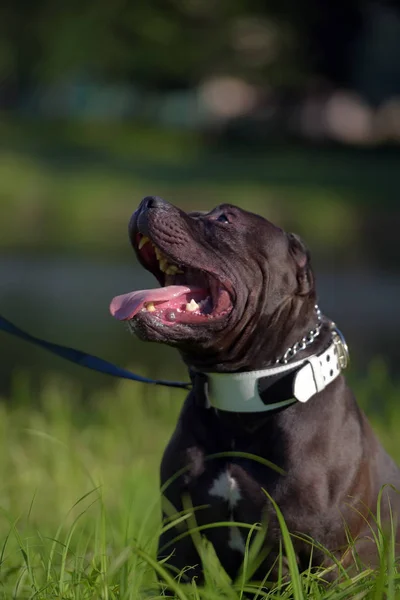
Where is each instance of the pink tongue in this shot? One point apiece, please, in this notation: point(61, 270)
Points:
point(126, 306)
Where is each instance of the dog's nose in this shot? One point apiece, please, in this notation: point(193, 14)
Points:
point(154, 202)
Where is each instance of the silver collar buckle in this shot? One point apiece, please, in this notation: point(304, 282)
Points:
point(342, 350)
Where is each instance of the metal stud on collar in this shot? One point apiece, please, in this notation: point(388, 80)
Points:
point(342, 350)
point(304, 342)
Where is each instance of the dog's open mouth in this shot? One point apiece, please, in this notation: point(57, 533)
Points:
point(187, 295)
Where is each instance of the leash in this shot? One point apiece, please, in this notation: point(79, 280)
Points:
point(85, 360)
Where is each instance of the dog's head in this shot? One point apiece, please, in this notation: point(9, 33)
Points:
point(234, 287)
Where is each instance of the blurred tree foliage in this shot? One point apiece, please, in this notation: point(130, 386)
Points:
point(174, 43)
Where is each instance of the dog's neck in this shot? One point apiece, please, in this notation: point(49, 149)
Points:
point(248, 350)
point(306, 341)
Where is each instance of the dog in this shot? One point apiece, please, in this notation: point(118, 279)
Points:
point(237, 298)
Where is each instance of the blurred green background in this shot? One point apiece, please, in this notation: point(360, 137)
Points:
point(291, 110)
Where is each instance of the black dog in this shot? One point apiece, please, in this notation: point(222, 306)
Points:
point(238, 300)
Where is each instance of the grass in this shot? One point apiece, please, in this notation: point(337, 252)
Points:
point(79, 501)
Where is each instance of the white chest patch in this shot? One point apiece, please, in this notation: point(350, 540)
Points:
point(225, 486)
point(236, 541)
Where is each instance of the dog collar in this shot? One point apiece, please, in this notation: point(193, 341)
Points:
point(299, 381)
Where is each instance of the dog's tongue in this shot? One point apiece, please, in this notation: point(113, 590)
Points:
point(126, 306)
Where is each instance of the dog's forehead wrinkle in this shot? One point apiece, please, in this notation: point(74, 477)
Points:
point(225, 206)
point(197, 214)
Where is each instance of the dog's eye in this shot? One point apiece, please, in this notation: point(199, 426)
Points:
point(222, 219)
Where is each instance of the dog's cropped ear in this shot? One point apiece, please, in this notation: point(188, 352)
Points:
point(301, 257)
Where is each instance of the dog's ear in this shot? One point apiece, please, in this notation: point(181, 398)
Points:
point(301, 257)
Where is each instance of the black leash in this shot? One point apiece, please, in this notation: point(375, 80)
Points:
point(86, 360)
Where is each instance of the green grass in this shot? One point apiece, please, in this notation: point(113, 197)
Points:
point(79, 501)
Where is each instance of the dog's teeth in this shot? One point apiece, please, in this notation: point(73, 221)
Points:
point(163, 265)
point(157, 252)
point(192, 305)
point(149, 306)
point(143, 241)
point(171, 270)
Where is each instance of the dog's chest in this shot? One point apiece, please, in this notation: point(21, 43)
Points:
point(232, 494)
point(225, 487)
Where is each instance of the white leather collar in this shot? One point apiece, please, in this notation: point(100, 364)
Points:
point(297, 381)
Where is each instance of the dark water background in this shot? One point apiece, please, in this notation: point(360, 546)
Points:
point(66, 301)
